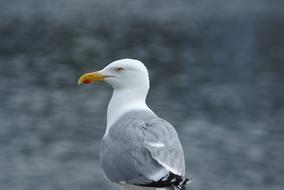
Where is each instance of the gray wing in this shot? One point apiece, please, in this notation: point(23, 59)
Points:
point(140, 150)
point(162, 141)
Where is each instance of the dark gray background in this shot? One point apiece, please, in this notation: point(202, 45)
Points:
point(217, 75)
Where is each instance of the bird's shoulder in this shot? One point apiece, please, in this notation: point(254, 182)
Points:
point(141, 125)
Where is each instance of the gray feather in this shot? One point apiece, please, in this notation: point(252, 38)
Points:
point(127, 154)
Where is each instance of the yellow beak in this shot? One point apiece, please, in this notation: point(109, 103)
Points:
point(91, 77)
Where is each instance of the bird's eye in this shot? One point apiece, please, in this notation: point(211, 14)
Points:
point(119, 68)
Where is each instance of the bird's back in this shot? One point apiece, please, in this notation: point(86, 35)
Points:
point(140, 149)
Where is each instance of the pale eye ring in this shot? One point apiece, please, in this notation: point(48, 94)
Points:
point(119, 68)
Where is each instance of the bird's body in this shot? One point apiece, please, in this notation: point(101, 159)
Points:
point(139, 149)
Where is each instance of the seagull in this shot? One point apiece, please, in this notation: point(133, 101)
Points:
point(139, 150)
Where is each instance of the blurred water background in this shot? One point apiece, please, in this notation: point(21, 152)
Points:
point(217, 74)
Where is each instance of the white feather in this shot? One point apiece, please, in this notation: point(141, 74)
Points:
point(156, 144)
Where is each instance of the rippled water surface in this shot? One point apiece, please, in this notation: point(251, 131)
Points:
point(217, 75)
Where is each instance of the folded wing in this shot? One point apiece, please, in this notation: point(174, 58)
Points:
point(142, 149)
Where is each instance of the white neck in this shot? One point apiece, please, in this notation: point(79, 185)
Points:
point(122, 101)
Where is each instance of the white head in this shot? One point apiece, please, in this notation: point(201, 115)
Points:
point(121, 74)
point(126, 73)
point(130, 81)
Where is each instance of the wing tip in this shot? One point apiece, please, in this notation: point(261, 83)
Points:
point(177, 182)
point(182, 184)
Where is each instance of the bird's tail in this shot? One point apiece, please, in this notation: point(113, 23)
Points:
point(181, 185)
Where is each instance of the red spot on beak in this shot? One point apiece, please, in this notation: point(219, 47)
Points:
point(87, 81)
